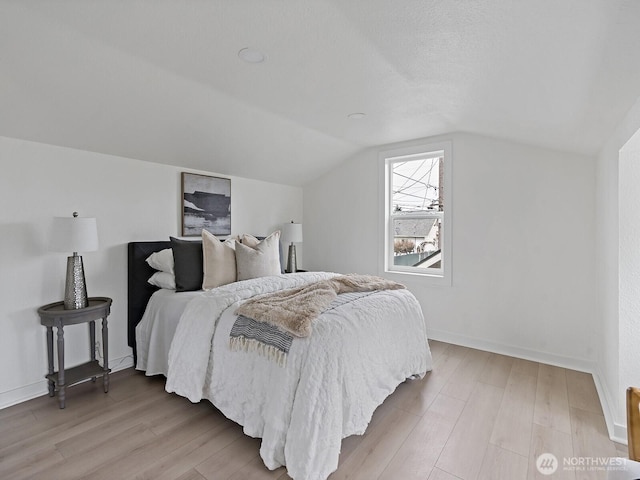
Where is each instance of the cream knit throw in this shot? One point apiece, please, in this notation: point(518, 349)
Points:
point(293, 309)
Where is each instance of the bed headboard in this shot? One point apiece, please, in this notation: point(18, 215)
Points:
point(138, 289)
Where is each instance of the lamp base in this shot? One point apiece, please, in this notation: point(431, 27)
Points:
point(292, 266)
point(75, 292)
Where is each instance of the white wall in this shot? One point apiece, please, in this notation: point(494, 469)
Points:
point(132, 200)
point(618, 356)
point(629, 283)
point(523, 246)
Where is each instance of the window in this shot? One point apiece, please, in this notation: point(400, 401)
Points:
point(416, 211)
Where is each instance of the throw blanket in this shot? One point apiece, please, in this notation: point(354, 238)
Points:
point(268, 323)
point(268, 340)
point(294, 309)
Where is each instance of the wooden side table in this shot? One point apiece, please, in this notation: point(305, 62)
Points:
point(55, 315)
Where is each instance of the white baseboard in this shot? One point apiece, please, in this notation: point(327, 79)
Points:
point(617, 431)
point(581, 365)
point(38, 389)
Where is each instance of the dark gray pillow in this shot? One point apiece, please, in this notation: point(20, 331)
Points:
point(187, 257)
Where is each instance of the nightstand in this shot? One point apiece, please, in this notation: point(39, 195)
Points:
point(55, 315)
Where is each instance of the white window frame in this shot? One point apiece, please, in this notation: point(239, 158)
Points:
point(437, 276)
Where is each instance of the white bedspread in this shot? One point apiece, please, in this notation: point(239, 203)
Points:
point(333, 381)
point(157, 327)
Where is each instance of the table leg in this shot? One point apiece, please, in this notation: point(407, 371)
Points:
point(92, 342)
point(105, 353)
point(61, 385)
point(50, 359)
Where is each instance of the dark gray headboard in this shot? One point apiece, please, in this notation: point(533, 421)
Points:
point(138, 289)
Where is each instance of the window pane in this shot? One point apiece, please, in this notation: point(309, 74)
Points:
point(417, 185)
point(416, 242)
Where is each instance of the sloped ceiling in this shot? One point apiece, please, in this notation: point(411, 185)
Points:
point(160, 80)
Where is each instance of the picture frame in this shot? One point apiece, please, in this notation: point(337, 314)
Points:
point(205, 204)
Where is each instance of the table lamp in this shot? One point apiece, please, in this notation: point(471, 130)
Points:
point(74, 234)
point(291, 233)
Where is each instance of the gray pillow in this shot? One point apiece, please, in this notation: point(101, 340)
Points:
point(258, 258)
point(187, 258)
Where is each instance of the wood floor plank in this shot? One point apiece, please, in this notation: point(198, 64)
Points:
point(582, 391)
point(497, 370)
point(437, 348)
point(464, 452)
point(463, 380)
point(110, 451)
point(418, 454)
point(351, 443)
point(191, 454)
point(190, 475)
point(20, 408)
point(134, 384)
point(107, 426)
point(415, 396)
point(549, 440)
point(226, 462)
point(78, 425)
point(255, 470)
point(56, 417)
point(81, 400)
point(590, 440)
point(371, 457)
point(552, 401)
point(438, 474)
point(19, 420)
point(29, 465)
point(163, 445)
point(526, 367)
point(512, 428)
point(501, 463)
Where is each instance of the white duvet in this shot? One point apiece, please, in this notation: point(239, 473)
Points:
point(333, 380)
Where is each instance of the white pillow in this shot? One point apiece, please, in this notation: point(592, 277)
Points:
point(219, 261)
point(256, 258)
point(163, 280)
point(162, 260)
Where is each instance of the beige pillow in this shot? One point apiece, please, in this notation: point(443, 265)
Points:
point(256, 258)
point(219, 261)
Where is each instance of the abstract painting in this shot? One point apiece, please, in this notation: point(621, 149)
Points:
point(206, 204)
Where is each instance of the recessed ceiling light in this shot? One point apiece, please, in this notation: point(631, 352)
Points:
point(357, 115)
point(251, 55)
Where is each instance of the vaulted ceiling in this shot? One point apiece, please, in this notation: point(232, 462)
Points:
point(161, 80)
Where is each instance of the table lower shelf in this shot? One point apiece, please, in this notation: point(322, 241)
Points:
point(77, 374)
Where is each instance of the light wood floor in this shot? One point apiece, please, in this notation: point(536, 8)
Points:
point(477, 415)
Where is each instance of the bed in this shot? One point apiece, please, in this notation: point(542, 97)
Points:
point(361, 348)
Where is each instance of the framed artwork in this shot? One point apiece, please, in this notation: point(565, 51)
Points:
point(206, 204)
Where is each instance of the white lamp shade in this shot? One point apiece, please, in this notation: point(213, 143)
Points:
point(74, 234)
point(292, 232)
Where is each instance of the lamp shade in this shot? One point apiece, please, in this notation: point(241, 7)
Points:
point(292, 232)
point(74, 234)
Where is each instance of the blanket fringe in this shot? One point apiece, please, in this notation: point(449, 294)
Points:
point(245, 344)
